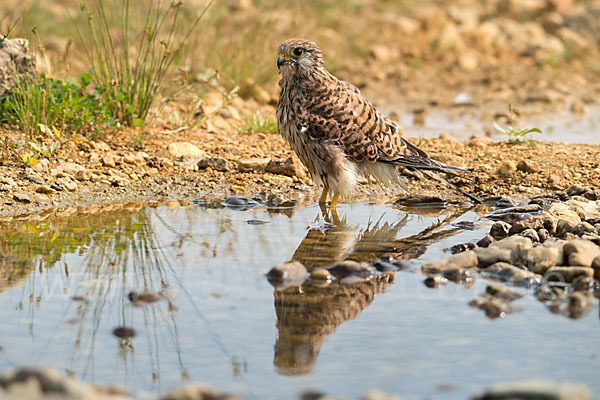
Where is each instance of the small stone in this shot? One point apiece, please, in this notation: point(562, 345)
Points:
point(500, 230)
point(567, 274)
point(543, 234)
point(459, 275)
point(288, 274)
point(487, 256)
point(124, 332)
point(537, 389)
point(45, 189)
point(507, 272)
point(67, 183)
point(321, 274)
point(198, 391)
point(527, 166)
point(7, 180)
point(21, 198)
point(531, 234)
point(485, 241)
point(435, 281)
point(494, 308)
point(583, 228)
point(185, 149)
point(459, 248)
point(83, 175)
point(215, 163)
point(109, 161)
point(252, 164)
point(580, 252)
point(288, 167)
point(579, 304)
point(379, 395)
point(506, 169)
point(503, 293)
point(129, 158)
point(584, 284)
point(35, 178)
point(352, 268)
point(467, 259)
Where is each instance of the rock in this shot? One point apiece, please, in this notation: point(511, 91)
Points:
point(321, 274)
point(352, 268)
point(35, 178)
point(579, 304)
point(537, 390)
point(35, 383)
point(539, 259)
point(487, 256)
point(124, 332)
point(461, 99)
point(551, 21)
point(21, 198)
point(543, 235)
point(379, 395)
point(459, 275)
point(485, 241)
point(84, 175)
point(467, 259)
point(7, 180)
point(500, 229)
point(109, 161)
point(494, 308)
point(382, 53)
point(252, 164)
point(45, 189)
point(508, 273)
point(435, 281)
point(506, 169)
point(582, 228)
point(521, 8)
point(240, 203)
point(573, 39)
point(503, 293)
point(567, 219)
point(215, 163)
point(584, 284)
point(185, 149)
point(513, 243)
point(288, 167)
point(14, 59)
point(567, 274)
point(531, 234)
point(527, 166)
point(576, 190)
point(287, 274)
point(459, 248)
point(67, 183)
point(580, 252)
point(197, 391)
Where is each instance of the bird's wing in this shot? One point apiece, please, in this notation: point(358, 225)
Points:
point(338, 113)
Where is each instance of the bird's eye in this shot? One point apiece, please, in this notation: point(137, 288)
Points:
point(297, 52)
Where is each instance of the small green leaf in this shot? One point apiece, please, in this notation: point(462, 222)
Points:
point(54, 146)
point(45, 129)
point(499, 128)
point(36, 147)
point(138, 122)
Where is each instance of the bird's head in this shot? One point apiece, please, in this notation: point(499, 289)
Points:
point(298, 56)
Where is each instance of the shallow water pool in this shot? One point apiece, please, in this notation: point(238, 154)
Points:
point(221, 322)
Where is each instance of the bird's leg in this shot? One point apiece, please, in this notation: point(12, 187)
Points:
point(323, 198)
point(334, 201)
point(334, 216)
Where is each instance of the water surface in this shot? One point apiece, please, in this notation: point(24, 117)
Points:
point(224, 324)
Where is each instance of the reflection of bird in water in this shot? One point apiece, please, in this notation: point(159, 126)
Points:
point(306, 315)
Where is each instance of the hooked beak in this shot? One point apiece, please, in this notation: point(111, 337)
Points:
point(282, 60)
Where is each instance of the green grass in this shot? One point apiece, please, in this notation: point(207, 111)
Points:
point(514, 135)
point(257, 123)
point(129, 57)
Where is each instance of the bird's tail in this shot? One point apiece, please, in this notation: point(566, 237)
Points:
point(435, 176)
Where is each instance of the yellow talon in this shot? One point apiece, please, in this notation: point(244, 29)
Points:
point(334, 201)
point(323, 198)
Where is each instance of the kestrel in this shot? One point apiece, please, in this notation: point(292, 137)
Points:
point(336, 132)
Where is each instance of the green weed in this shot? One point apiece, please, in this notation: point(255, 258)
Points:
point(129, 60)
point(514, 135)
point(258, 123)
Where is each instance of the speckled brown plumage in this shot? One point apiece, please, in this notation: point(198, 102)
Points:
point(334, 130)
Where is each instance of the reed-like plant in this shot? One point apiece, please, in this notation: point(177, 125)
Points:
point(128, 60)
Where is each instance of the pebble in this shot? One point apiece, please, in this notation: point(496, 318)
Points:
point(288, 167)
point(527, 166)
point(185, 149)
point(352, 268)
point(321, 274)
point(531, 234)
point(198, 391)
point(21, 198)
point(379, 395)
point(500, 229)
point(459, 248)
point(537, 389)
point(580, 252)
point(241, 203)
point(35, 178)
point(142, 298)
point(252, 164)
point(109, 161)
point(506, 169)
point(494, 308)
point(288, 274)
point(215, 163)
point(487, 256)
point(67, 183)
point(485, 241)
point(45, 189)
point(539, 259)
point(567, 274)
point(435, 281)
point(459, 275)
point(503, 293)
point(467, 259)
point(124, 332)
point(507, 272)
